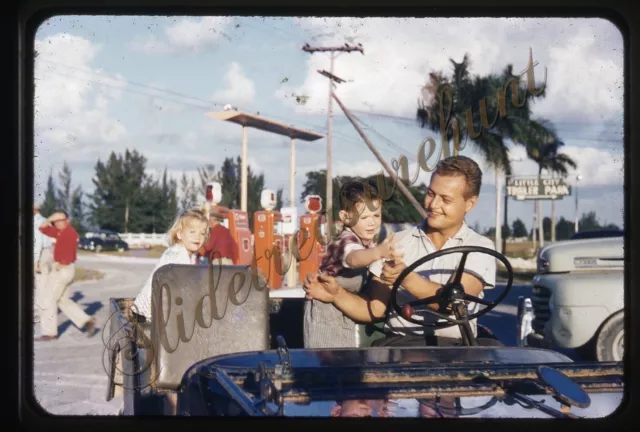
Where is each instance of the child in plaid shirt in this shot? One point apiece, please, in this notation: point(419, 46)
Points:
point(347, 259)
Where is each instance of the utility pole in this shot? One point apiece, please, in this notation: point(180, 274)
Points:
point(498, 241)
point(386, 166)
point(344, 48)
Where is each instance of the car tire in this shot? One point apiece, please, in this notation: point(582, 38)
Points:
point(120, 249)
point(98, 248)
point(610, 339)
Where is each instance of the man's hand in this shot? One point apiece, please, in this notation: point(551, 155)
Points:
point(36, 267)
point(320, 287)
point(391, 270)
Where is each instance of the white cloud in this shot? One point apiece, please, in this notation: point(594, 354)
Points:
point(187, 34)
point(72, 102)
point(240, 90)
point(584, 75)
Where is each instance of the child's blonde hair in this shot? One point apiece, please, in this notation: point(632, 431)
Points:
point(194, 214)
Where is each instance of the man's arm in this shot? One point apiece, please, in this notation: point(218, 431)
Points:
point(49, 230)
point(326, 289)
point(360, 309)
point(37, 245)
point(422, 288)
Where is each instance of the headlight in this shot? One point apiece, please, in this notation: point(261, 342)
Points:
point(543, 265)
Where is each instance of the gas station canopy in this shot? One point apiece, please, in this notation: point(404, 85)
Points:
point(256, 122)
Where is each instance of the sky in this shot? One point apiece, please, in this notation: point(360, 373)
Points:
point(111, 83)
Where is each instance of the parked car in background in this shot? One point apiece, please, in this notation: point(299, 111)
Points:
point(103, 240)
point(578, 299)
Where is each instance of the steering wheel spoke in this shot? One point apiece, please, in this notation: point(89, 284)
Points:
point(458, 276)
point(474, 299)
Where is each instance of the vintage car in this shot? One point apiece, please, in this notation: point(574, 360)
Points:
point(103, 240)
point(578, 299)
point(210, 350)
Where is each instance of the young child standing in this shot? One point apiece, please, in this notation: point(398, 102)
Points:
point(187, 235)
point(347, 259)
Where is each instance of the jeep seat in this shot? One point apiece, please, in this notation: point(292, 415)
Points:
point(239, 323)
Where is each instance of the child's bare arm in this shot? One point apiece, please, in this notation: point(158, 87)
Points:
point(365, 257)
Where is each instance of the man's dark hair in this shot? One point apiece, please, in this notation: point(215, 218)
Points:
point(462, 165)
point(357, 191)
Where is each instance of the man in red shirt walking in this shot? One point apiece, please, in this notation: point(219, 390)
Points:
point(65, 248)
point(221, 246)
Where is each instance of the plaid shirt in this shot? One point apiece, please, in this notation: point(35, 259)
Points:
point(325, 326)
point(334, 258)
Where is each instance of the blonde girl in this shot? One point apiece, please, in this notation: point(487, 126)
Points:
point(187, 235)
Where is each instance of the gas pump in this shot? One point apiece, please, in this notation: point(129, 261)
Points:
point(236, 221)
point(311, 237)
point(239, 227)
point(268, 239)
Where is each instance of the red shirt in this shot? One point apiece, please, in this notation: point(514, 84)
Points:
point(221, 244)
point(66, 246)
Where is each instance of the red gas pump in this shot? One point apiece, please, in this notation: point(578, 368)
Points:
point(268, 240)
point(237, 223)
point(311, 238)
point(239, 227)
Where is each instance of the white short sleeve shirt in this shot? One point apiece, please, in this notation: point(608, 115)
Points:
point(415, 245)
point(176, 254)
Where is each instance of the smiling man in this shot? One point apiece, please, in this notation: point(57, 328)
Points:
point(453, 192)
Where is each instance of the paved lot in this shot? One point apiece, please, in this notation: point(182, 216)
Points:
point(69, 375)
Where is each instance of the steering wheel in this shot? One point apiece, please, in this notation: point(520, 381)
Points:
point(450, 292)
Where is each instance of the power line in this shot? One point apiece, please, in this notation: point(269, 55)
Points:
point(408, 119)
point(89, 72)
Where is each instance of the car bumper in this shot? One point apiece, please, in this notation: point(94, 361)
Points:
point(525, 335)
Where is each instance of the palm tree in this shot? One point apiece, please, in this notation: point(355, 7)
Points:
point(467, 94)
point(468, 97)
point(543, 144)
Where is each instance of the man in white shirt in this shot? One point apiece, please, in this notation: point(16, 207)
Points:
point(452, 193)
point(42, 260)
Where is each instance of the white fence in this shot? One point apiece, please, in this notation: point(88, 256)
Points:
point(141, 240)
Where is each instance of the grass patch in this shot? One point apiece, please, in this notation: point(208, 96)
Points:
point(84, 274)
point(519, 250)
point(153, 252)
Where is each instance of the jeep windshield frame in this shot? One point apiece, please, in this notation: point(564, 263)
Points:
point(308, 383)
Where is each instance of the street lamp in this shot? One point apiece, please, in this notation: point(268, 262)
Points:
point(575, 228)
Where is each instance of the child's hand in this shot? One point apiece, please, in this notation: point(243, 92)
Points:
point(387, 247)
point(320, 287)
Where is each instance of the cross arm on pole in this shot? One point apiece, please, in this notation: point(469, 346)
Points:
point(346, 48)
